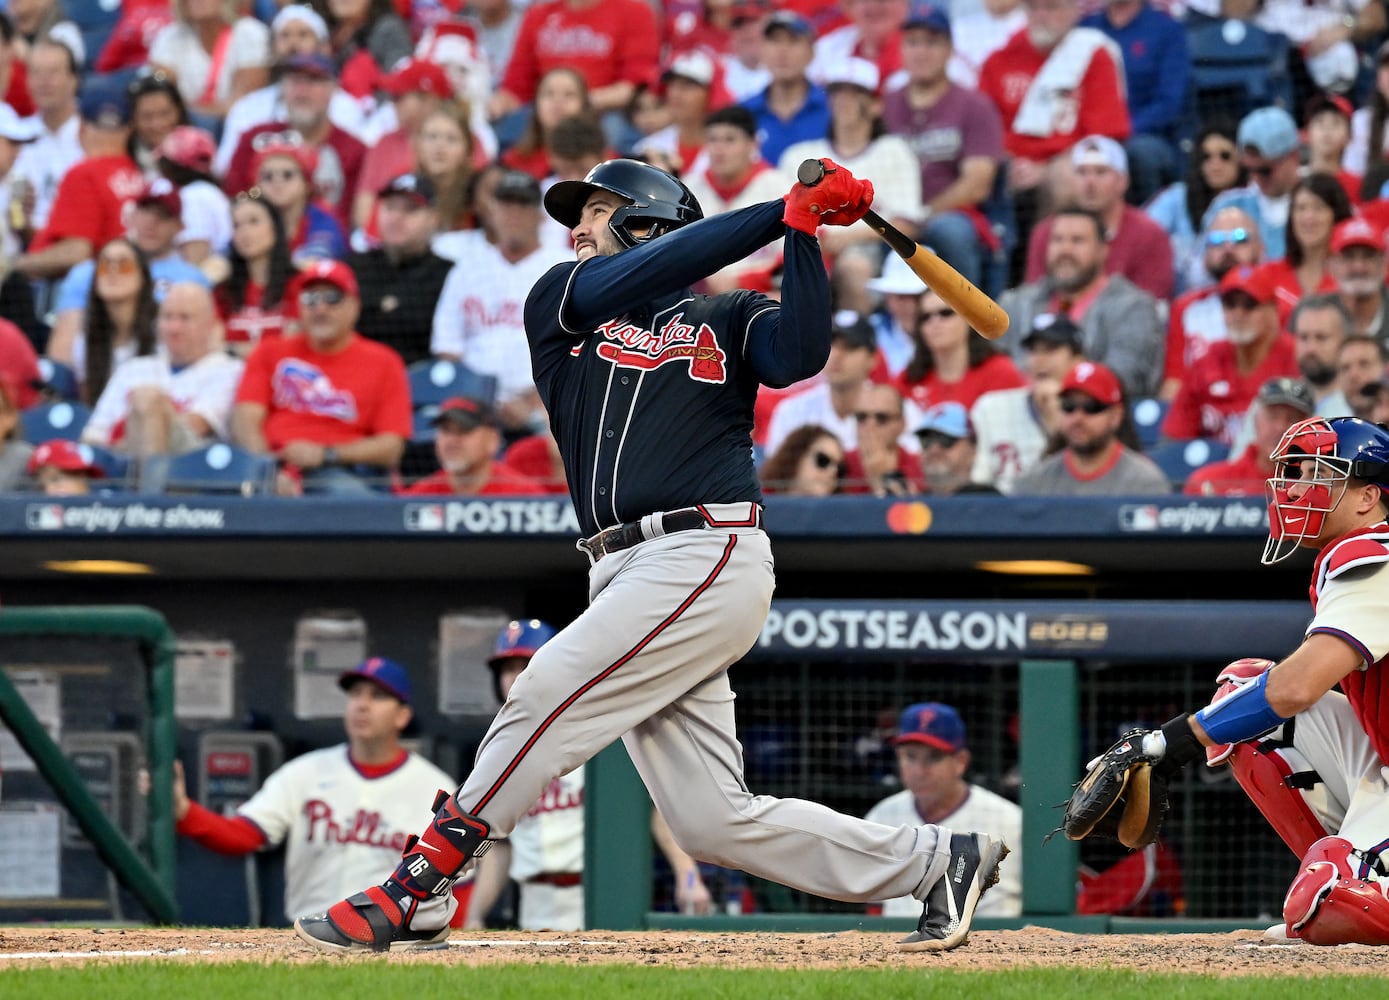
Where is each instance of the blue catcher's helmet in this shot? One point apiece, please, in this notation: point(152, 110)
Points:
point(519, 639)
point(1313, 462)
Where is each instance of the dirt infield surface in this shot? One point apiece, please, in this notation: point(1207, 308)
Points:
point(1242, 953)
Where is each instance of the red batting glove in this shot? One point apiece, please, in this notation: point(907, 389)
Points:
point(1233, 676)
point(802, 209)
point(850, 214)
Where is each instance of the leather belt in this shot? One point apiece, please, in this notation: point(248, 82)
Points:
point(624, 536)
point(561, 880)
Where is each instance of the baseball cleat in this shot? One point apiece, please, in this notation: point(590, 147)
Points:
point(950, 903)
point(367, 921)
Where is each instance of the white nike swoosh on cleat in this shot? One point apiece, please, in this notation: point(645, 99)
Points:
point(430, 847)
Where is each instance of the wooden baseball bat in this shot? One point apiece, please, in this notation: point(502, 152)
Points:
point(980, 311)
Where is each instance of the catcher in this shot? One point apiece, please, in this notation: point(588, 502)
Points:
point(1311, 758)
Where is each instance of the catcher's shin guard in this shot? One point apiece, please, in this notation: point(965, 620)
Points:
point(383, 917)
point(1278, 780)
point(1329, 903)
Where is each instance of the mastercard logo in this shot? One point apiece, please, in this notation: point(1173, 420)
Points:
point(909, 518)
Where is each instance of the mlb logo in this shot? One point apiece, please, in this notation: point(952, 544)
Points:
point(1138, 517)
point(424, 517)
point(44, 517)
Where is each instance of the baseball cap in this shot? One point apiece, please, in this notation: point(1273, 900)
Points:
point(19, 367)
point(853, 72)
point(947, 418)
point(749, 10)
point(386, 674)
point(853, 329)
point(310, 64)
point(304, 14)
point(1287, 392)
point(897, 279)
point(332, 272)
point(160, 193)
point(1096, 381)
point(105, 103)
point(416, 187)
point(1252, 281)
point(189, 146)
point(414, 75)
point(933, 723)
point(1357, 232)
point(281, 145)
point(465, 413)
point(1328, 102)
point(14, 128)
point(1270, 131)
point(928, 16)
point(1053, 328)
point(695, 66)
point(787, 20)
point(68, 456)
point(1100, 151)
point(517, 186)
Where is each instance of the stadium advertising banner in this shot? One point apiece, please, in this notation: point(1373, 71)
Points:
point(1016, 630)
point(116, 513)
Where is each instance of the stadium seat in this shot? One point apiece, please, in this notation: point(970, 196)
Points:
point(220, 468)
point(1147, 421)
point(434, 380)
point(113, 465)
point(48, 421)
point(1235, 68)
point(1179, 459)
point(59, 380)
point(95, 20)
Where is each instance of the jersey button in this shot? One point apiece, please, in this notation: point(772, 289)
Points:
point(625, 380)
point(608, 434)
point(602, 491)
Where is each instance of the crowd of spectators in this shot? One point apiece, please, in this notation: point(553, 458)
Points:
point(302, 234)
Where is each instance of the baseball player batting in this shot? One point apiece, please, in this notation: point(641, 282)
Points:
point(650, 392)
point(1310, 757)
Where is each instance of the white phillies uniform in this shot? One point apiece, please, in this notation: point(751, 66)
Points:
point(1343, 736)
point(1009, 439)
point(548, 841)
point(479, 315)
point(342, 830)
point(981, 810)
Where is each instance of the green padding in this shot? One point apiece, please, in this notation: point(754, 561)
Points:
point(153, 887)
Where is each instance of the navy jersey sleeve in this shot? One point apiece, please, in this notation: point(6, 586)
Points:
point(791, 343)
point(605, 287)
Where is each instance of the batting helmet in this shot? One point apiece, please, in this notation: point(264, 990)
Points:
point(658, 200)
point(1301, 495)
point(518, 639)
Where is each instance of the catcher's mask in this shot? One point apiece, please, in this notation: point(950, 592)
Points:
point(1313, 463)
point(659, 202)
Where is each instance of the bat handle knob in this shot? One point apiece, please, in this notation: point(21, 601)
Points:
point(810, 172)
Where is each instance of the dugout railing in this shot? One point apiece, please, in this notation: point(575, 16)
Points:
point(1078, 670)
point(144, 866)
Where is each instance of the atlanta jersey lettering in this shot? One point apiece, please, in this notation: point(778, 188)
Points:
point(341, 830)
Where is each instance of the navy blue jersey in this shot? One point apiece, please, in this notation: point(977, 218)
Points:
point(650, 387)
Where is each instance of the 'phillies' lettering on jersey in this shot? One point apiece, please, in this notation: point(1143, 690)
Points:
point(302, 386)
point(557, 798)
point(366, 827)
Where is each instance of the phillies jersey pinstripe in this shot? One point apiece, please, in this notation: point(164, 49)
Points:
point(652, 410)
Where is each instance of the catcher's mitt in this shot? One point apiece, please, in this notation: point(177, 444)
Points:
point(1122, 796)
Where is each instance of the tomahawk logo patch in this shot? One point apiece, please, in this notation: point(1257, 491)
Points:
point(629, 346)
